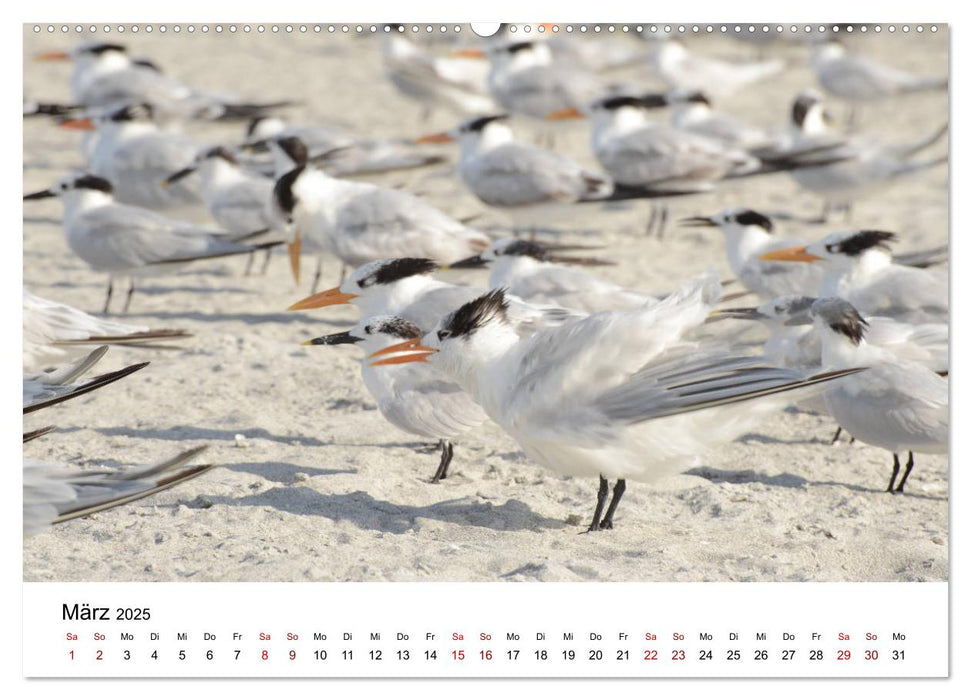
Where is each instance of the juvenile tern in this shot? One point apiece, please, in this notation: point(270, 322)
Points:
point(616, 395)
point(896, 404)
point(414, 398)
point(128, 241)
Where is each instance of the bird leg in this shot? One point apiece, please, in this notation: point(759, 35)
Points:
point(249, 264)
point(108, 296)
point(896, 469)
point(131, 290)
point(910, 466)
point(313, 288)
point(608, 522)
point(447, 451)
point(651, 219)
point(662, 225)
point(836, 437)
point(266, 261)
point(601, 498)
point(343, 274)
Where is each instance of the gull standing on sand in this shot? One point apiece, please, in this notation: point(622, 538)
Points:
point(858, 267)
point(414, 398)
point(616, 395)
point(896, 404)
point(128, 241)
point(359, 222)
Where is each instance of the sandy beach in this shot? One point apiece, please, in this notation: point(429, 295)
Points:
point(314, 485)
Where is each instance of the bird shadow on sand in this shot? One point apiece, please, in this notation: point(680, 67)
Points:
point(787, 480)
point(283, 472)
point(189, 432)
point(369, 513)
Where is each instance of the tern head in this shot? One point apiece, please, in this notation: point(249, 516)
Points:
point(373, 334)
point(681, 96)
point(733, 220)
point(261, 128)
point(809, 114)
point(135, 113)
point(384, 283)
point(291, 147)
point(85, 52)
point(74, 185)
point(492, 128)
point(624, 108)
point(838, 316)
point(841, 249)
point(521, 54)
point(462, 340)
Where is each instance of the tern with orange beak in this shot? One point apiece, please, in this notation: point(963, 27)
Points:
point(136, 156)
point(414, 397)
point(858, 267)
point(617, 395)
point(528, 183)
point(128, 241)
point(359, 222)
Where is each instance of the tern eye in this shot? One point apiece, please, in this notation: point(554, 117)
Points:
point(832, 248)
point(442, 335)
point(367, 329)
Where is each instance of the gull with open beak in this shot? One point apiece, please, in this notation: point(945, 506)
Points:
point(358, 222)
point(896, 404)
point(415, 398)
point(530, 184)
point(128, 241)
point(542, 276)
point(858, 267)
point(617, 395)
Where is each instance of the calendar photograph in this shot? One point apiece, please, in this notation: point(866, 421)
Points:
point(556, 303)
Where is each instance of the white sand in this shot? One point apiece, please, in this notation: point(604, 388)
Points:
point(323, 489)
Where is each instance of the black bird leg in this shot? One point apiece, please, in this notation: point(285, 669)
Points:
point(662, 226)
point(313, 288)
point(896, 469)
point(131, 290)
point(249, 264)
point(601, 499)
point(447, 451)
point(910, 466)
point(108, 296)
point(608, 522)
point(266, 261)
point(836, 437)
point(650, 220)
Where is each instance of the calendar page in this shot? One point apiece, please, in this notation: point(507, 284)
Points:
point(519, 350)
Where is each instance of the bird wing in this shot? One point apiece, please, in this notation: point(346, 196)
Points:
point(516, 173)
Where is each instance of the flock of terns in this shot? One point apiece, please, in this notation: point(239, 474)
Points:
point(590, 378)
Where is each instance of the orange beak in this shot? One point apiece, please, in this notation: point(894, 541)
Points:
point(790, 255)
point(468, 53)
point(329, 297)
point(293, 250)
point(53, 56)
point(84, 124)
point(440, 137)
point(564, 114)
point(416, 353)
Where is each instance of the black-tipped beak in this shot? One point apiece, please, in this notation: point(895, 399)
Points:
point(698, 222)
point(43, 194)
point(175, 177)
point(473, 262)
point(747, 314)
point(344, 338)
